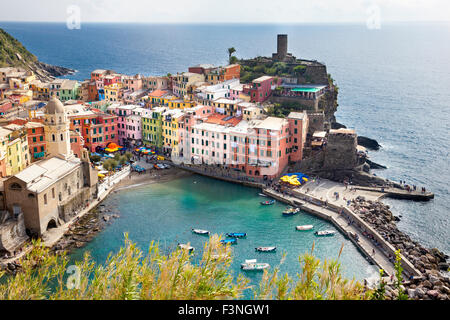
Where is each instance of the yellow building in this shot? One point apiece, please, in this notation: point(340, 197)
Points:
point(15, 142)
point(20, 153)
point(180, 104)
point(113, 92)
point(170, 132)
point(41, 90)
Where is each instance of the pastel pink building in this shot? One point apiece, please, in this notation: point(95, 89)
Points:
point(258, 148)
point(132, 83)
point(129, 120)
point(261, 88)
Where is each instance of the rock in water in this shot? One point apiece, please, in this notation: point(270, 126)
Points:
point(374, 165)
point(337, 125)
point(368, 143)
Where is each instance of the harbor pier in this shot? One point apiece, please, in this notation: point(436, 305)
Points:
point(375, 248)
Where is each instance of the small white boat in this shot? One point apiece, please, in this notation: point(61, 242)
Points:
point(262, 195)
point(201, 232)
point(325, 233)
point(290, 211)
point(304, 228)
point(254, 265)
point(186, 247)
point(266, 249)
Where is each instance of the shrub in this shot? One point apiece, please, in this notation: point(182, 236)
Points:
point(131, 275)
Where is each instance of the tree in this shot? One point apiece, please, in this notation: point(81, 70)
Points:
point(233, 60)
point(123, 160)
point(110, 164)
point(230, 53)
point(129, 155)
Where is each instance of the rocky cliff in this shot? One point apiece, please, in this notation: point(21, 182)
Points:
point(14, 54)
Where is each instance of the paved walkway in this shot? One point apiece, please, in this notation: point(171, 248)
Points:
point(325, 189)
point(341, 223)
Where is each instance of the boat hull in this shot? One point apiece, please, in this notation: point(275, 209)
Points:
point(266, 249)
point(201, 232)
point(304, 228)
point(325, 233)
point(236, 235)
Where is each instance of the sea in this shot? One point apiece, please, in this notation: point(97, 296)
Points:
point(394, 86)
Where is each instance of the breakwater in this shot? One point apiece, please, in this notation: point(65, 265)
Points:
point(371, 227)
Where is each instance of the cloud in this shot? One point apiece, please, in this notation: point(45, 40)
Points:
point(244, 11)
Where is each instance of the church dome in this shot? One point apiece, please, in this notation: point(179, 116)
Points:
point(54, 106)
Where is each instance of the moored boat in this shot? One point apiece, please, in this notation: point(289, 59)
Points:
point(186, 247)
point(304, 228)
point(291, 211)
point(254, 265)
point(266, 249)
point(229, 241)
point(325, 233)
point(236, 235)
point(268, 202)
point(201, 232)
point(262, 195)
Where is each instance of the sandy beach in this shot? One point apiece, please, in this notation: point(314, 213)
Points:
point(151, 176)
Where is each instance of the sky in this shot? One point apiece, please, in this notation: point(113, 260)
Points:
point(225, 11)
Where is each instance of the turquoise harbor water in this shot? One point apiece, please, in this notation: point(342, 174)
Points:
point(167, 212)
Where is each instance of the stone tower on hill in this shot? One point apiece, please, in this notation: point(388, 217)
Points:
point(282, 54)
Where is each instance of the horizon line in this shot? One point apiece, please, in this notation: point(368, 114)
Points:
point(229, 22)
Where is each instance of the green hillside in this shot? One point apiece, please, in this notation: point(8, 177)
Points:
point(9, 50)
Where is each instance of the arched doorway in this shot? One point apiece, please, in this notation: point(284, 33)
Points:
point(51, 224)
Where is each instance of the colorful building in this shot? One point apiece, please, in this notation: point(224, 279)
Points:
point(222, 74)
point(97, 128)
point(17, 151)
point(152, 127)
point(171, 120)
point(36, 140)
point(261, 88)
point(155, 83)
point(182, 83)
point(113, 92)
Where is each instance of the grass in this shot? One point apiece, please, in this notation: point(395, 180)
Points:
point(132, 274)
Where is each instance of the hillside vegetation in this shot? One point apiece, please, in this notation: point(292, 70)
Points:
point(13, 53)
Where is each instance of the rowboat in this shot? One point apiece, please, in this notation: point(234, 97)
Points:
point(186, 247)
point(201, 232)
point(236, 235)
point(254, 265)
point(262, 195)
point(290, 211)
point(268, 202)
point(266, 249)
point(229, 241)
point(304, 228)
point(325, 233)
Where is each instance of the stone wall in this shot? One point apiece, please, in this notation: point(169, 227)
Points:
point(316, 122)
point(12, 234)
point(303, 104)
point(340, 152)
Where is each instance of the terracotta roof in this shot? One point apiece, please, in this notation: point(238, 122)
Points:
point(223, 120)
point(158, 93)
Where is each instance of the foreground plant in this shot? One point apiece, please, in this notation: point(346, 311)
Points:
point(131, 275)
